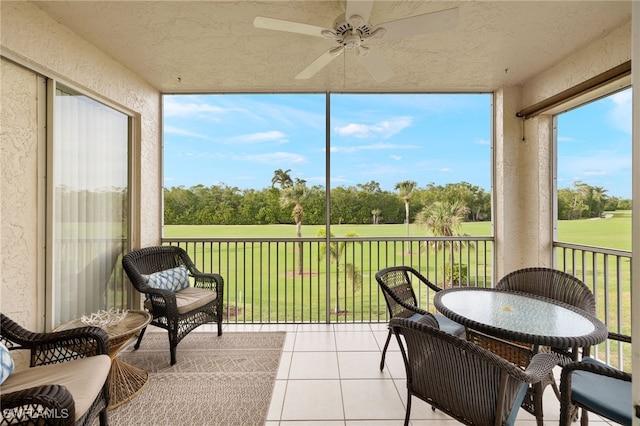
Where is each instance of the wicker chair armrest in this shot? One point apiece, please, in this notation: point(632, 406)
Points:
point(209, 281)
point(55, 347)
point(162, 301)
point(541, 366)
point(50, 404)
point(600, 369)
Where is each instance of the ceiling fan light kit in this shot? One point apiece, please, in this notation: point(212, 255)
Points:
point(351, 34)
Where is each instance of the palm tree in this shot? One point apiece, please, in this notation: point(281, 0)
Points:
point(375, 213)
point(296, 195)
point(444, 219)
point(281, 178)
point(336, 250)
point(405, 188)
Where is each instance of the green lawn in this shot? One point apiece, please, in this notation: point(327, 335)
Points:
point(613, 232)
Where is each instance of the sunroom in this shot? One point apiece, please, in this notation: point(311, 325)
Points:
point(534, 59)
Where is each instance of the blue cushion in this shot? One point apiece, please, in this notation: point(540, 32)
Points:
point(6, 363)
point(171, 279)
point(606, 396)
point(449, 326)
point(444, 323)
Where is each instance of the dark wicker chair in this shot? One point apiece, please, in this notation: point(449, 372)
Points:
point(596, 387)
point(181, 311)
point(465, 381)
point(28, 397)
point(396, 284)
point(552, 284)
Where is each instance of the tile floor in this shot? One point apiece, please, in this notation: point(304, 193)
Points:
point(329, 376)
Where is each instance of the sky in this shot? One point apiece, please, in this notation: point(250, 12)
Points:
point(239, 140)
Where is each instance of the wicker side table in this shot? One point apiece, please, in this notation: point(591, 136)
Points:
point(125, 380)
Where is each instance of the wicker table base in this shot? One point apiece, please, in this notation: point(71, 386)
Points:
point(125, 380)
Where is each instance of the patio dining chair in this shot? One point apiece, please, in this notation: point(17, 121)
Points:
point(463, 380)
point(556, 285)
point(163, 275)
point(396, 283)
point(593, 386)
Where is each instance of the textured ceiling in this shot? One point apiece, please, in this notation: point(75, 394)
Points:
point(212, 46)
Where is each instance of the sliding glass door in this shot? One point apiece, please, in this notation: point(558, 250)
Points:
point(88, 190)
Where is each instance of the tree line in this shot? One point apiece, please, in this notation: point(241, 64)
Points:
point(586, 201)
point(288, 201)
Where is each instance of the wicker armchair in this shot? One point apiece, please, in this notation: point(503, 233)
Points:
point(396, 285)
point(596, 387)
point(67, 383)
point(177, 311)
point(465, 381)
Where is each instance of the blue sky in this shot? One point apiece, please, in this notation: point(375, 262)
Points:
point(239, 140)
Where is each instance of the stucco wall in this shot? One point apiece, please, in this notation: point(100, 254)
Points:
point(602, 55)
point(523, 168)
point(34, 40)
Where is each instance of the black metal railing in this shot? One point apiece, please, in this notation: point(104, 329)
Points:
point(607, 272)
point(318, 280)
point(285, 280)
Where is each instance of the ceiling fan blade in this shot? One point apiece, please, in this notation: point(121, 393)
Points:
point(361, 8)
point(374, 62)
point(288, 26)
point(321, 62)
point(420, 24)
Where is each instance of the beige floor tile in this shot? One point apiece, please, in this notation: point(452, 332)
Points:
point(313, 400)
point(394, 365)
point(313, 341)
point(361, 365)
point(356, 341)
point(285, 365)
point(277, 400)
point(372, 400)
point(314, 365)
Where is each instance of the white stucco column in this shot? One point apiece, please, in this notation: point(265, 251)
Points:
point(522, 186)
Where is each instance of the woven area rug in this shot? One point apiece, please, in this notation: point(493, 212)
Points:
point(226, 380)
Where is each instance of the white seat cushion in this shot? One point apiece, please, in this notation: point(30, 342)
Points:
point(83, 378)
point(190, 298)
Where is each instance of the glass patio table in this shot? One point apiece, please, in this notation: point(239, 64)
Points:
point(525, 319)
point(521, 317)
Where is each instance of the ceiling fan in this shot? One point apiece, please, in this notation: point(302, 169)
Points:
point(352, 32)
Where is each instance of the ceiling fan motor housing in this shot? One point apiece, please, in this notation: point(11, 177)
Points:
point(349, 36)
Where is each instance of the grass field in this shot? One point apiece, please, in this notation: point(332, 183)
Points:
point(613, 232)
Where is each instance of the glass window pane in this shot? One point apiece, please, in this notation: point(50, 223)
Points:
point(594, 173)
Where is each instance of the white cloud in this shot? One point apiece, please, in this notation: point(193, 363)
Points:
point(385, 129)
point(171, 130)
point(396, 157)
point(278, 158)
point(174, 108)
point(259, 137)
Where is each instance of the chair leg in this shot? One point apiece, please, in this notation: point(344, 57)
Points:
point(104, 417)
point(219, 325)
point(584, 418)
point(408, 415)
point(137, 345)
point(384, 350)
point(172, 349)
